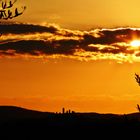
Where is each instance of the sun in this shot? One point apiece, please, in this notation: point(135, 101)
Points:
point(135, 43)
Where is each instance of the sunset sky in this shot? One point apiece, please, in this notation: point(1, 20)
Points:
point(81, 55)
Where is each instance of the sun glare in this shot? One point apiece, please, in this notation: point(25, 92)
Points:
point(135, 43)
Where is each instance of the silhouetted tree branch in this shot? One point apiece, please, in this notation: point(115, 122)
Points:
point(138, 107)
point(7, 10)
point(137, 77)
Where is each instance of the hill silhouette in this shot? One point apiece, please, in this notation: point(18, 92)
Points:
point(11, 113)
point(17, 120)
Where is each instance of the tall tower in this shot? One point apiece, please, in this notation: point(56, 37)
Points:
point(63, 110)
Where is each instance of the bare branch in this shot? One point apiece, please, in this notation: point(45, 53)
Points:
point(137, 77)
point(6, 5)
point(6, 11)
point(138, 107)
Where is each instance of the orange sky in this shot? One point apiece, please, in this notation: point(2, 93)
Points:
point(103, 86)
point(82, 86)
point(81, 14)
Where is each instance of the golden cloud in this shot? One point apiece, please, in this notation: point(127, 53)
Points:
point(47, 41)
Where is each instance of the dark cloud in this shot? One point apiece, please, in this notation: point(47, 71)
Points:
point(110, 36)
point(38, 47)
point(15, 28)
point(94, 44)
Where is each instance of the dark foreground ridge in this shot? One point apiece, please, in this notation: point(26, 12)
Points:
point(16, 121)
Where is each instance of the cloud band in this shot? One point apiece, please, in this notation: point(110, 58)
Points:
point(51, 40)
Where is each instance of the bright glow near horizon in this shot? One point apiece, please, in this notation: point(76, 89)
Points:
point(135, 43)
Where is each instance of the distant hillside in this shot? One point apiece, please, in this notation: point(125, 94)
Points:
point(15, 119)
point(13, 112)
point(9, 113)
